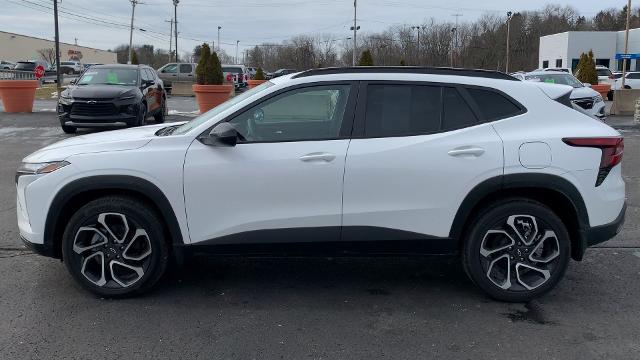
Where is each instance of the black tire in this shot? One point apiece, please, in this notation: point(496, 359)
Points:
point(160, 115)
point(488, 270)
point(86, 236)
point(141, 119)
point(69, 129)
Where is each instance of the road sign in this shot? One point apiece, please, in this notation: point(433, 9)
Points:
point(39, 71)
point(627, 56)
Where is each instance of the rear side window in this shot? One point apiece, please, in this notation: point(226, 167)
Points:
point(402, 110)
point(456, 113)
point(493, 105)
point(186, 68)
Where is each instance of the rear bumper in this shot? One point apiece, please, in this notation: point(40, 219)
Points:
point(602, 233)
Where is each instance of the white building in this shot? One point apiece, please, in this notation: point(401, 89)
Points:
point(16, 47)
point(564, 49)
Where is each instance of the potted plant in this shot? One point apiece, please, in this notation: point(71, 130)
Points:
point(586, 73)
point(18, 95)
point(257, 79)
point(209, 88)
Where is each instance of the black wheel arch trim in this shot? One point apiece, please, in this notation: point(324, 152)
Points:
point(131, 184)
point(547, 182)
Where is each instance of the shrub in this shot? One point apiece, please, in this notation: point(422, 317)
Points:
point(259, 75)
point(209, 70)
point(365, 59)
point(134, 58)
point(586, 70)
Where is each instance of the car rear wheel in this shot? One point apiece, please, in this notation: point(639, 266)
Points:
point(516, 250)
point(142, 115)
point(114, 247)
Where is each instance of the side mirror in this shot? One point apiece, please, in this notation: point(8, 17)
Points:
point(73, 81)
point(223, 134)
point(587, 85)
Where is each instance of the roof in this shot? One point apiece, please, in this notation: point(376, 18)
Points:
point(407, 70)
point(119, 66)
point(64, 43)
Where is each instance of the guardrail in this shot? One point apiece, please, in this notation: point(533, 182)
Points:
point(17, 75)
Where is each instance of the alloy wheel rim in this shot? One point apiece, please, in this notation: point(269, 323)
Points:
point(113, 251)
point(519, 254)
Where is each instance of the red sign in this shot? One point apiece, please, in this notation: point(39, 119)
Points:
point(39, 71)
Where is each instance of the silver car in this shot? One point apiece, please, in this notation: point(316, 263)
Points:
point(583, 97)
point(177, 72)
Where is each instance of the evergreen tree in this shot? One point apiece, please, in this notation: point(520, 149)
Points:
point(201, 69)
point(365, 59)
point(134, 58)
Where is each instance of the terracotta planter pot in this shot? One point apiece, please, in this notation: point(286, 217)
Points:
point(210, 96)
point(603, 89)
point(254, 83)
point(18, 95)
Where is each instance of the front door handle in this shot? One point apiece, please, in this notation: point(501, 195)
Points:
point(466, 151)
point(318, 156)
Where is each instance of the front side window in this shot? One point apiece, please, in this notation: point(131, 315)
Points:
point(402, 110)
point(312, 113)
point(146, 75)
point(170, 69)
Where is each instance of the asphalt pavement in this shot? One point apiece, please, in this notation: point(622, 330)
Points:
point(346, 308)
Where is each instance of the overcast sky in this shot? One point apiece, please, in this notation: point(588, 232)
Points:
point(250, 21)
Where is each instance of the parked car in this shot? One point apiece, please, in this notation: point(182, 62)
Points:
point(112, 96)
point(237, 74)
point(518, 75)
point(252, 71)
point(426, 161)
point(281, 72)
point(177, 72)
point(71, 67)
point(88, 65)
point(6, 65)
point(30, 65)
point(584, 98)
point(566, 70)
point(631, 81)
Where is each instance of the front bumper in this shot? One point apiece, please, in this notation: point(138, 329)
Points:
point(120, 114)
point(41, 249)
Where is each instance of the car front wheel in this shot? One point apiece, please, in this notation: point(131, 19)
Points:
point(516, 250)
point(115, 247)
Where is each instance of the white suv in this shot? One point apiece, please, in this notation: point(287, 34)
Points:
point(382, 161)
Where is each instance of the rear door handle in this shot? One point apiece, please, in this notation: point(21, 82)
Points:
point(318, 156)
point(466, 151)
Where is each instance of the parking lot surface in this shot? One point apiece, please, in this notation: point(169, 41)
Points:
point(347, 308)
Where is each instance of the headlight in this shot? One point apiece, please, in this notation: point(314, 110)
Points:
point(39, 168)
point(65, 95)
point(598, 98)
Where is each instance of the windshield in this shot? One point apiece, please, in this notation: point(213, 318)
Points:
point(107, 76)
point(603, 72)
point(25, 66)
point(563, 79)
point(235, 70)
point(184, 128)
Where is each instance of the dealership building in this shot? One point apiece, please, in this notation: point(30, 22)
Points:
point(16, 47)
point(564, 49)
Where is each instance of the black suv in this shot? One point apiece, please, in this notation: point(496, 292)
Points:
point(112, 96)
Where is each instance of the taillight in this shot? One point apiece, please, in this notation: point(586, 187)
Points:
point(228, 77)
point(612, 151)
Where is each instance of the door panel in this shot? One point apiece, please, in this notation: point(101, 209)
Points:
point(282, 176)
point(186, 72)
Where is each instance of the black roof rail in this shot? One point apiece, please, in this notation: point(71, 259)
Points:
point(407, 70)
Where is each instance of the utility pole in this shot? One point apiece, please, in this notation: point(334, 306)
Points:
point(219, 27)
point(133, 11)
point(55, 21)
point(237, 42)
point(75, 41)
point(626, 43)
point(170, 37)
point(454, 39)
point(175, 21)
point(355, 28)
point(509, 15)
point(418, 30)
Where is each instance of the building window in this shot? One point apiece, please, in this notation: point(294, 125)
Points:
point(603, 62)
point(545, 64)
point(574, 64)
point(558, 63)
point(620, 62)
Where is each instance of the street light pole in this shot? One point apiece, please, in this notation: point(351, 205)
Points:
point(355, 28)
point(626, 43)
point(509, 15)
point(175, 21)
point(418, 30)
point(219, 27)
point(55, 21)
point(237, 42)
point(170, 37)
point(133, 11)
point(453, 32)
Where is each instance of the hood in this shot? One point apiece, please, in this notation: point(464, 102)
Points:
point(583, 92)
point(100, 91)
point(116, 140)
point(554, 91)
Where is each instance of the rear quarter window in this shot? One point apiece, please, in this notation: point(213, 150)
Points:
point(493, 105)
